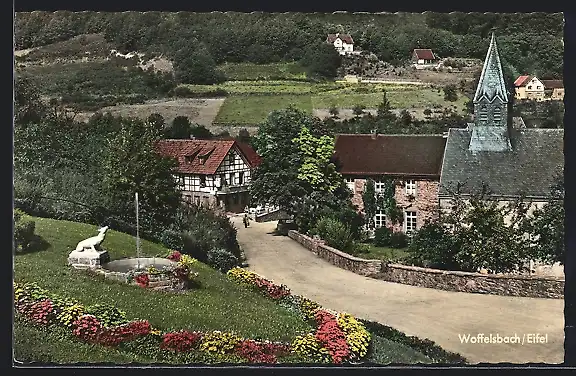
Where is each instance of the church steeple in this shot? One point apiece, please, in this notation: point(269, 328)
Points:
point(490, 127)
point(491, 98)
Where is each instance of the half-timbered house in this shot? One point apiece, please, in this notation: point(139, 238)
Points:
point(213, 173)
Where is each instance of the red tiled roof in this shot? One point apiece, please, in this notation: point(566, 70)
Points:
point(344, 37)
point(425, 54)
point(553, 84)
point(521, 81)
point(416, 155)
point(251, 156)
point(214, 152)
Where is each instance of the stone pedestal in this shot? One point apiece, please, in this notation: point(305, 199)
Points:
point(88, 259)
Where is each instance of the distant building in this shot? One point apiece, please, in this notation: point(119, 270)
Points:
point(423, 57)
point(212, 173)
point(343, 43)
point(554, 89)
point(413, 161)
point(511, 161)
point(529, 87)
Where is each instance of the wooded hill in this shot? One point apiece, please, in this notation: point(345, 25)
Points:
point(528, 43)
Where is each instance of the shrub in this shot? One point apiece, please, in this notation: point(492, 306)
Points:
point(23, 232)
point(398, 240)
point(361, 248)
point(335, 233)
point(382, 236)
point(172, 239)
point(222, 260)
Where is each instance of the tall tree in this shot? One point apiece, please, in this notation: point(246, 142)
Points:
point(132, 165)
point(317, 169)
point(275, 180)
point(180, 128)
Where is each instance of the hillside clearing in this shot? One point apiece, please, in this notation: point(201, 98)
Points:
point(254, 109)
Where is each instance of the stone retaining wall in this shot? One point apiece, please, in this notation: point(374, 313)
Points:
point(508, 285)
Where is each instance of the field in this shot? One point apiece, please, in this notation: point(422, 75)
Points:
point(199, 111)
point(275, 71)
point(253, 109)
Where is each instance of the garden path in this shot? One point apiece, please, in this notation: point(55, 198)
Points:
point(440, 316)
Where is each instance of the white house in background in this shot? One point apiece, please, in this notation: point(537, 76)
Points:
point(343, 43)
point(212, 173)
point(529, 87)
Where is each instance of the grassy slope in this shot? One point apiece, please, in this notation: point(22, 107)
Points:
point(219, 304)
point(250, 71)
point(254, 109)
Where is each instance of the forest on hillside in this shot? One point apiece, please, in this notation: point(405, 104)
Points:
point(528, 43)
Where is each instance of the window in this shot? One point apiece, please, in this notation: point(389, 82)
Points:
point(497, 114)
point(483, 113)
point(411, 187)
point(240, 178)
point(223, 181)
point(410, 221)
point(379, 219)
point(529, 87)
point(538, 87)
point(187, 183)
point(350, 183)
point(202, 181)
point(379, 185)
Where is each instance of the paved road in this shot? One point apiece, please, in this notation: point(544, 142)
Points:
point(427, 313)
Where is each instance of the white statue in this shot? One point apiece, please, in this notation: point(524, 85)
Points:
point(93, 242)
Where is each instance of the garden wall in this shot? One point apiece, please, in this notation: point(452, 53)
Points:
point(508, 285)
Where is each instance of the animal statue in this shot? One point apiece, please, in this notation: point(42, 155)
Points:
point(93, 242)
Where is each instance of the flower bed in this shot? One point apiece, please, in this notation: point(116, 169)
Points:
point(338, 337)
point(107, 326)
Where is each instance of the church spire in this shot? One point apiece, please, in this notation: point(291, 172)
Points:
point(491, 99)
point(491, 85)
point(490, 128)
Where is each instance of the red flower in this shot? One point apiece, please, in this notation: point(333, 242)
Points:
point(87, 327)
point(180, 341)
point(116, 335)
point(257, 352)
point(142, 280)
point(175, 256)
point(331, 336)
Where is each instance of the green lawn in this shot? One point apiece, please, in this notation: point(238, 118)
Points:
point(250, 71)
point(219, 304)
point(254, 109)
point(385, 253)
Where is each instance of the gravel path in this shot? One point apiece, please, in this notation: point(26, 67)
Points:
point(427, 313)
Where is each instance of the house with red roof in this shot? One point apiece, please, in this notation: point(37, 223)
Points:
point(212, 173)
point(423, 57)
point(343, 43)
point(412, 161)
point(529, 87)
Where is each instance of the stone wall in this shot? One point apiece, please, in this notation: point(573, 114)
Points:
point(336, 257)
point(272, 216)
point(508, 285)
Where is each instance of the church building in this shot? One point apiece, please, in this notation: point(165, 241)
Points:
point(495, 152)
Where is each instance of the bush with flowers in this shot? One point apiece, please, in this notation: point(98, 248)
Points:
point(219, 342)
point(265, 286)
point(181, 341)
point(309, 347)
point(108, 315)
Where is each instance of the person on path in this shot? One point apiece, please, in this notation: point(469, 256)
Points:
point(246, 220)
